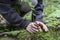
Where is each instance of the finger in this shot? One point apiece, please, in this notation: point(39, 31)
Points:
point(45, 28)
point(34, 26)
point(35, 30)
point(38, 24)
point(29, 30)
point(40, 30)
point(38, 27)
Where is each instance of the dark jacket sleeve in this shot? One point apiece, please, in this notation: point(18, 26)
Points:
point(37, 16)
point(12, 16)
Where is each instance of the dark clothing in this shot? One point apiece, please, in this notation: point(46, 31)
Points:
point(13, 17)
point(8, 1)
point(37, 16)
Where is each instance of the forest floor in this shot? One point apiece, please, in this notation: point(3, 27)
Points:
point(51, 18)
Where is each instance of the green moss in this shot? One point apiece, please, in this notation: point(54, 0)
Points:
point(4, 38)
point(52, 19)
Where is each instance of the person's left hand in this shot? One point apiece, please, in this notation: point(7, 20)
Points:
point(41, 26)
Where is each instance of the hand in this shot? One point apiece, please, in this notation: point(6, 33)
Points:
point(36, 27)
point(42, 26)
point(32, 28)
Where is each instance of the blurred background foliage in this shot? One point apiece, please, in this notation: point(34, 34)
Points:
point(51, 16)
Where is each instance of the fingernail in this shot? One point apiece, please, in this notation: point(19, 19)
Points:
point(40, 30)
point(46, 30)
point(37, 30)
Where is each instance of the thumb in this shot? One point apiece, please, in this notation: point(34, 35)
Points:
point(43, 26)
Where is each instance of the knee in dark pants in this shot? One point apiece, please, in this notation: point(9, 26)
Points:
point(23, 8)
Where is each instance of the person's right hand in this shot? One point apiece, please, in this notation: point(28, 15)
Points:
point(32, 28)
